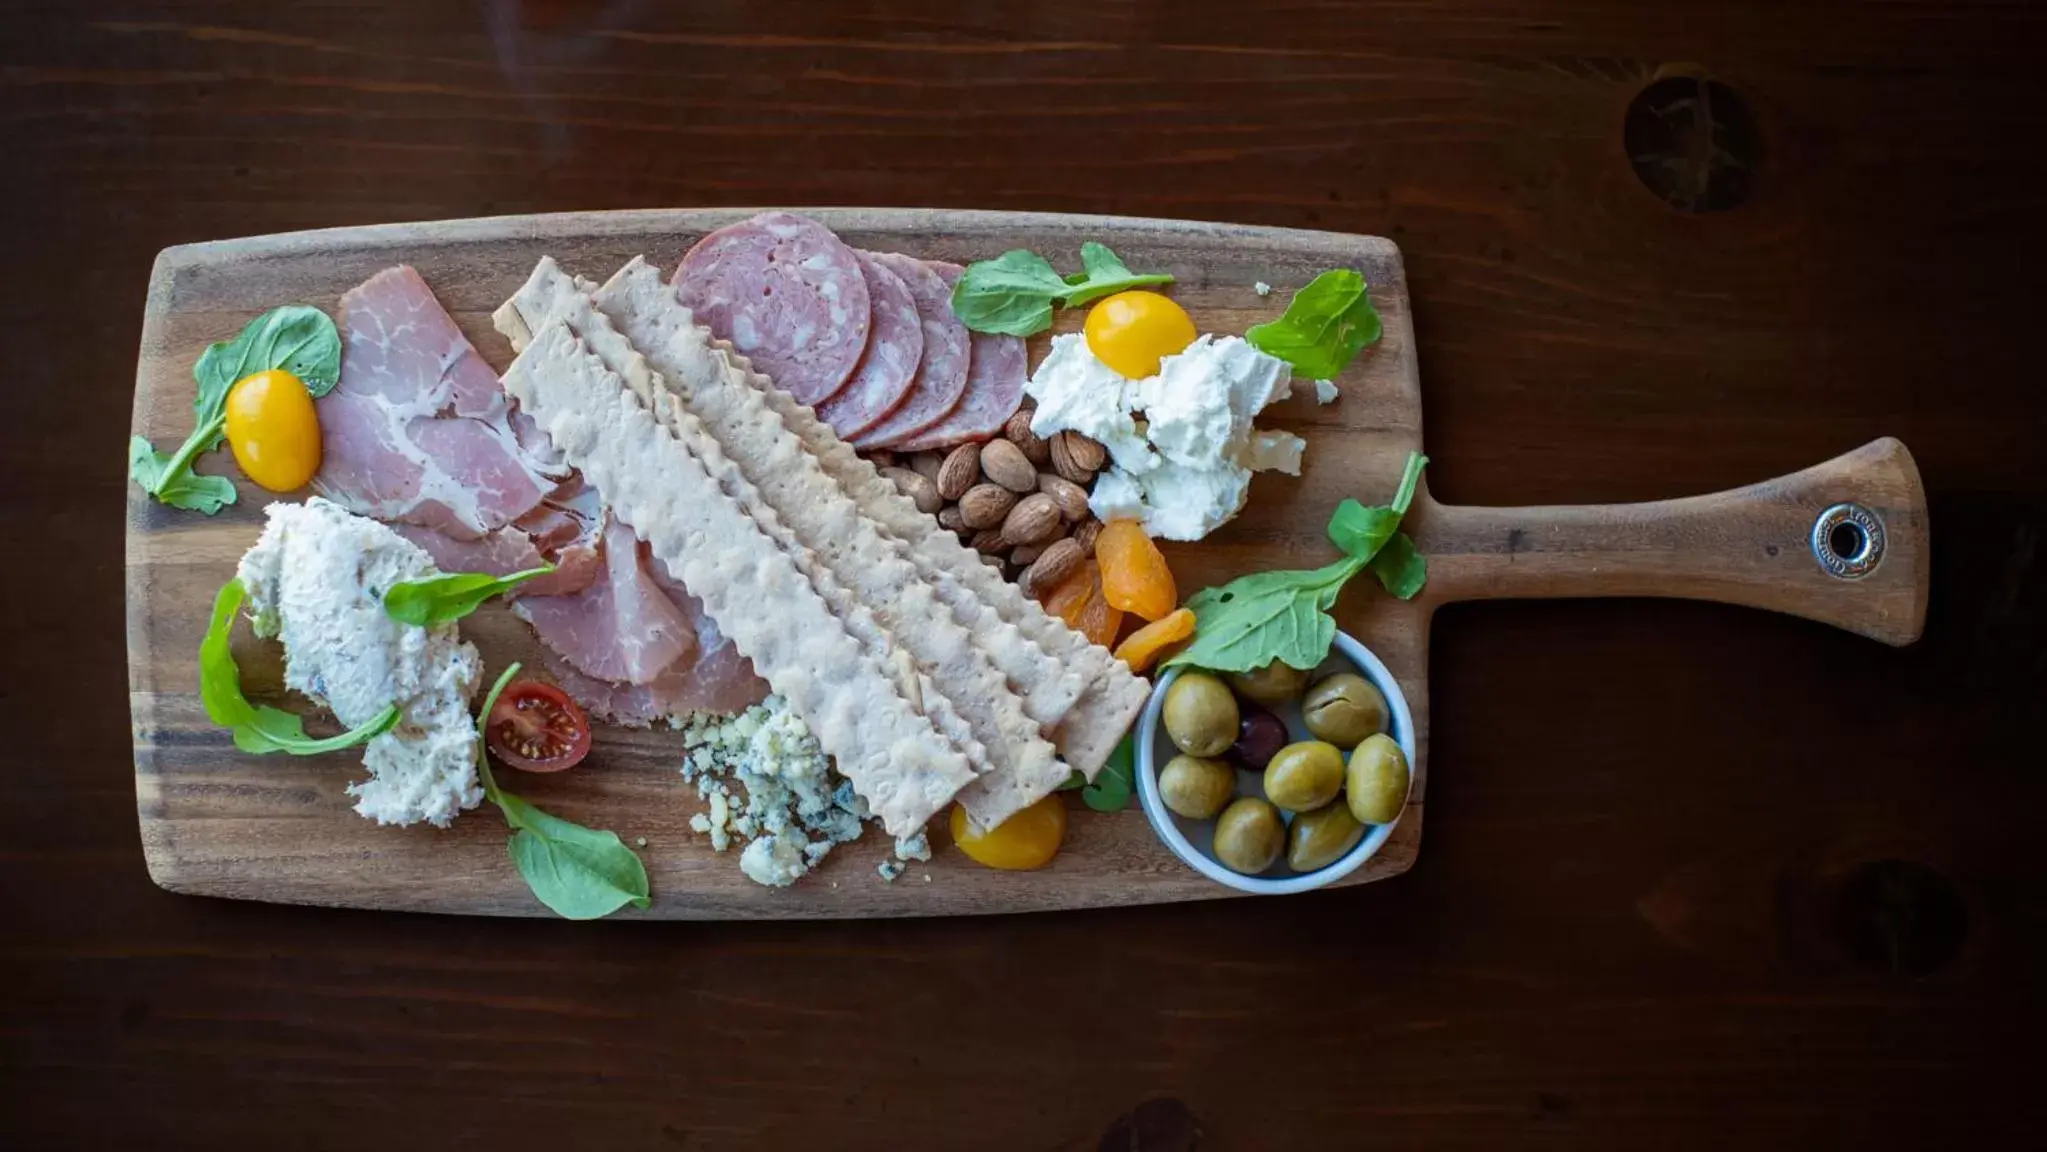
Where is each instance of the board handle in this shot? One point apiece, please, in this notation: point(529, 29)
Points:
point(1844, 543)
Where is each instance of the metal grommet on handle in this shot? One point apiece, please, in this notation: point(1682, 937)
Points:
point(1848, 541)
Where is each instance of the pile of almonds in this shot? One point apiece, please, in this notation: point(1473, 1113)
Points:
point(1019, 500)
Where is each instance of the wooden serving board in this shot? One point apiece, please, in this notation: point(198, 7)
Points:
point(220, 823)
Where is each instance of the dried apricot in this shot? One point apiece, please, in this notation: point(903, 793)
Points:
point(1070, 596)
point(1143, 646)
point(1135, 577)
point(1100, 621)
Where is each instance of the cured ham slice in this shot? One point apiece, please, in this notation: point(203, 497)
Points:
point(623, 627)
point(895, 344)
point(787, 293)
point(417, 431)
point(942, 373)
point(995, 388)
point(501, 553)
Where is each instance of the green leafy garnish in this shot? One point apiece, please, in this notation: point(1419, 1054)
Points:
point(440, 599)
point(1324, 327)
point(580, 873)
point(297, 338)
point(1110, 791)
point(1013, 294)
point(1266, 616)
point(261, 728)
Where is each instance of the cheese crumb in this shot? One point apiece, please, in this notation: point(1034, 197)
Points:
point(796, 806)
point(1262, 288)
point(889, 870)
point(1325, 391)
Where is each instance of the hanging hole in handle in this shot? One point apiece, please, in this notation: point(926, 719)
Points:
point(1848, 541)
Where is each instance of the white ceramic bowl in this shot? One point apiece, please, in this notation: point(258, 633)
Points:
point(1192, 840)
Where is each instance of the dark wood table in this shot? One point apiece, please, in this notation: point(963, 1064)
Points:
point(1693, 878)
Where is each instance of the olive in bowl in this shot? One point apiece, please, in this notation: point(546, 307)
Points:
point(1200, 715)
point(1300, 865)
point(1196, 787)
point(1344, 709)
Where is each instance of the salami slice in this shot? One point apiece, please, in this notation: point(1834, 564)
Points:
point(942, 373)
point(995, 387)
point(787, 294)
point(895, 343)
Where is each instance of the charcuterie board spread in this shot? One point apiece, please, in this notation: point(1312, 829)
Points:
point(724, 563)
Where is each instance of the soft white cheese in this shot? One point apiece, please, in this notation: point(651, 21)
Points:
point(1184, 468)
point(1076, 391)
point(316, 580)
point(1325, 391)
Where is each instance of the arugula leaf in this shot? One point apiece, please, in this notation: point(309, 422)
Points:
point(1103, 273)
point(579, 873)
point(1110, 791)
point(440, 599)
point(1013, 294)
point(1400, 567)
point(297, 338)
point(1075, 781)
point(1324, 327)
point(1266, 616)
point(261, 728)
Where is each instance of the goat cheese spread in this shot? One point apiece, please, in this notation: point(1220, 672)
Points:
point(316, 580)
point(1183, 467)
point(796, 807)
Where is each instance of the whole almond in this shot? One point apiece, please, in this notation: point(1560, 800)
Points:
point(989, 542)
point(960, 469)
point(1053, 565)
point(1034, 520)
point(1071, 497)
point(1084, 534)
point(1086, 453)
point(1017, 431)
point(1064, 463)
point(985, 505)
point(926, 464)
point(916, 487)
point(1023, 554)
point(949, 517)
point(1006, 464)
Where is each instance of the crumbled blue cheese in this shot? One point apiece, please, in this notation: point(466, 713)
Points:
point(1183, 468)
point(1262, 288)
point(1325, 391)
point(889, 870)
point(795, 806)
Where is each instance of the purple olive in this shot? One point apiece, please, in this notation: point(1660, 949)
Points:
point(1260, 736)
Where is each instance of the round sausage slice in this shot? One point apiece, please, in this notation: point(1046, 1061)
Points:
point(942, 373)
point(895, 343)
point(995, 388)
point(787, 294)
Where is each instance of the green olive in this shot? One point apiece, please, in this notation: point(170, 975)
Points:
point(1276, 683)
point(1201, 715)
point(1304, 776)
point(1249, 835)
point(1376, 781)
point(1195, 787)
point(1317, 839)
point(1343, 709)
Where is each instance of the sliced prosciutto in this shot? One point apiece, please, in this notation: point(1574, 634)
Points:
point(624, 626)
point(417, 431)
point(785, 292)
point(501, 553)
point(942, 372)
point(995, 388)
point(895, 344)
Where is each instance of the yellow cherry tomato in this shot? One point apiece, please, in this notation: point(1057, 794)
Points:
point(1026, 840)
point(273, 429)
point(1132, 331)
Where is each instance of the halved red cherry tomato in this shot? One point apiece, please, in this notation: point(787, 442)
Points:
point(534, 727)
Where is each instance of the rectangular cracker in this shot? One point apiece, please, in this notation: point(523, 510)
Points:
point(673, 484)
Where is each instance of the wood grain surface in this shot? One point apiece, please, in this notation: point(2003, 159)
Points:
point(1694, 876)
point(218, 822)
